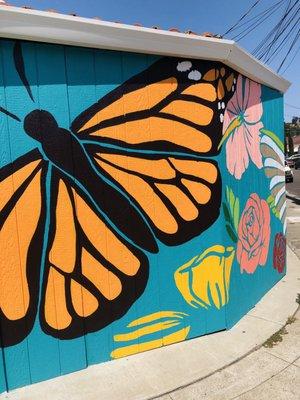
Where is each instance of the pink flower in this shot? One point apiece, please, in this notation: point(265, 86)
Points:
point(242, 127)
point(254, 234)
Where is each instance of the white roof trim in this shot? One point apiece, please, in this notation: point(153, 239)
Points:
point(19, 23)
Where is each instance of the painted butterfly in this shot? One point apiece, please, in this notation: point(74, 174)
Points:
point(89, 202)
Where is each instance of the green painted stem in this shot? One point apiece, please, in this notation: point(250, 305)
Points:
point(274, 137)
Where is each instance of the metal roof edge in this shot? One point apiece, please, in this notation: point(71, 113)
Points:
point(254, 69)
point(49, 27)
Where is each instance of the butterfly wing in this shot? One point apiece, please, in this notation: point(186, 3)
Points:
point(173, 105)
point(179, 197)
point(22, 221)
point(92, 275)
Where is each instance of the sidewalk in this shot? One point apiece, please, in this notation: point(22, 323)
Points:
point(271, 372)
point(293, 220)
point(293, 197)
point(225, 365)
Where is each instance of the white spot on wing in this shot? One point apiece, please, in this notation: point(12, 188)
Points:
point(221, 118)
point(194, 75)
point(184, 66)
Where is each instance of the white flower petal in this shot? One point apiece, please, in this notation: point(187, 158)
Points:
point(270, 162)
point(184, 66)
point(276, 180)
point(268, 141)
point(279, 194)
point(194, 75)
point(283, 208)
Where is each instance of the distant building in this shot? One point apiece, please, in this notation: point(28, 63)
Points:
point(296, 141)
point(296, 121)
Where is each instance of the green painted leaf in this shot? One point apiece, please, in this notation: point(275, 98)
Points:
point(270, 199)
point(226, 213)
point(231, 234)
point(274, 137)
point(271, 202)
point(227, 194)
point(233, 208)
point(236, 214)
point(231, 201)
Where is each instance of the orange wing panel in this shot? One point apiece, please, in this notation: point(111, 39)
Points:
point(90, 269)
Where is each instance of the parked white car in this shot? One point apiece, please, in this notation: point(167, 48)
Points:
point(289, 176)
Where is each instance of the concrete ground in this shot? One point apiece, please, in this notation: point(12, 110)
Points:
point(268, 373)
point(294, 187)
point(293, 219)
point(259, 358)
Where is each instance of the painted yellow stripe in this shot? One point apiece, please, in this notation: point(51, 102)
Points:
point(175, 337)
point(146, 330)
point(154, 316)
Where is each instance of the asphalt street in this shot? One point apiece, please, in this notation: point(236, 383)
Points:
point(293, 225)
point(294, 188)
point(293, 213)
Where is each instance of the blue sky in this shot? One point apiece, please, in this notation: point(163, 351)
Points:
point(197, 15)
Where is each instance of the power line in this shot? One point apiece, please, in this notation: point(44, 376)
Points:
point(289, 50)
point(268, 10)
point(284, 41)
point(269, 41)
point(281, 41)
point(255, 24)
point(287, 35)
point(278, 28)
point(291, 61)
point(260, 14)
point(290, 105)
point(242, 17)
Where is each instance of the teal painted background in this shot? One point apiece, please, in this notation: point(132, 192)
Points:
point(65, 81)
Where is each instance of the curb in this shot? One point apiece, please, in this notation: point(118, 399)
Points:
point(293, 197)
point(259, 346)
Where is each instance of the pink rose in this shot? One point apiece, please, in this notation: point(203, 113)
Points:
point(254, 234)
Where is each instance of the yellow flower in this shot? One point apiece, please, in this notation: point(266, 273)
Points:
point(140, 335)
point(205, 278)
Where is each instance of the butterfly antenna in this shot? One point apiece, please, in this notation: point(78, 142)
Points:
point(20, 67)
point(11, 115)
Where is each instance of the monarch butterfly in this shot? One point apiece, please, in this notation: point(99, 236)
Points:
point(129, 173)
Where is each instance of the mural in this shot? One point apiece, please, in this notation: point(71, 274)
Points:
point(122, 181)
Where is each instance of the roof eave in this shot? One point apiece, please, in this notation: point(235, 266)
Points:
point(18, 23)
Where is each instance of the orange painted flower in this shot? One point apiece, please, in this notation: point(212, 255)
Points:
point(254, 234)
